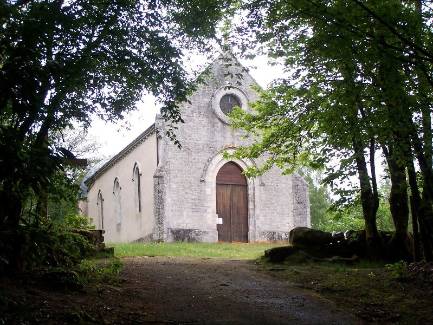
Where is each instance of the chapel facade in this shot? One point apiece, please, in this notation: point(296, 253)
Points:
point(155, 191)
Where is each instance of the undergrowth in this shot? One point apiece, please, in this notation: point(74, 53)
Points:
point(30, 247)
point(374, 291)
point(100, 271)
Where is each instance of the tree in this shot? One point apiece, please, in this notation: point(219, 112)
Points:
point(65, 187)
point(320, 201)
point(64, 61)
point(360, 71)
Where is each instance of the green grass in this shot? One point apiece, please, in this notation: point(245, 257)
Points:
point(202, 250)
point(372, 291)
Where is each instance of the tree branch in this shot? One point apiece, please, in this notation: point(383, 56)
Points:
point(394, 31)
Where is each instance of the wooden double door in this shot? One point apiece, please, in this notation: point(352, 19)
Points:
point(232, 204)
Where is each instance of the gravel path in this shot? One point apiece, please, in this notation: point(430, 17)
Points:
point(210, 291)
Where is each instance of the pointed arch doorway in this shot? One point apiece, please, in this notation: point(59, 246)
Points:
point(232, 204)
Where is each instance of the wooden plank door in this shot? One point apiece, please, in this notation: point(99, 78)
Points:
point(223, 211)
point(232, 204)
point(239, 213)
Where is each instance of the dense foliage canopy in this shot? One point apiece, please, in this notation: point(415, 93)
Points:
point(360, 77)
point(66, 61)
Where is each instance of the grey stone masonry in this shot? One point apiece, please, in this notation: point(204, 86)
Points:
point(184, 182)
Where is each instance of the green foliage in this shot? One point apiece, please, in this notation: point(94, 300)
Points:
point(34, 246)
point(62, 63)
point(351, 217)
point(77, 222)
point(359, 81)
point(320, 200)
point(63, 195)
point(54, 247)
point(64, 188)
point(398, 271)
point(328, 215)
point(100, 271)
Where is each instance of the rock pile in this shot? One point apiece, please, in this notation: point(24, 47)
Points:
point(319, 244)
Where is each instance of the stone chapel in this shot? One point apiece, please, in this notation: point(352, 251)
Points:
point(154, 191)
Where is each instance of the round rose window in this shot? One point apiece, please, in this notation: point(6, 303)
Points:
point(228, 102)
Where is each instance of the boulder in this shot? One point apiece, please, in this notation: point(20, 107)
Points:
point(279, 254)
point(307, 237)
point(320, 244)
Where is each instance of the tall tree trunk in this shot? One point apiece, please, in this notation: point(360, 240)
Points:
point(424, 152)
point(369, 206)
point(373, 174)
point(398, 198)
point(369, 193)
point(426, 207)
point(398, 247)
point(415, 200)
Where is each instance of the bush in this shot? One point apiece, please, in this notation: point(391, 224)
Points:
point(106, 271)
point(77, 222)
point(399, 270)
point(29, 247)
point(351, 217)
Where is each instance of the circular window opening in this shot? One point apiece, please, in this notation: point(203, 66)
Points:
point(228, 102)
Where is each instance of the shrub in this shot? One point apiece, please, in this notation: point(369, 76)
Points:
point(106, 271)
point(399, 270)
point(77, 221)
point(34, 246)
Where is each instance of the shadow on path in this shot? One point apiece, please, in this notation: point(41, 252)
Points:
point(213, 291)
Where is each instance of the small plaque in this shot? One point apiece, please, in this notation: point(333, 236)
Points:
point(219, 221)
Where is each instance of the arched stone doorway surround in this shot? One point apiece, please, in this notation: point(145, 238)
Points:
point(208, 178)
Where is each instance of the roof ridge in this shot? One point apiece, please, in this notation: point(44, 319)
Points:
point(121, 154)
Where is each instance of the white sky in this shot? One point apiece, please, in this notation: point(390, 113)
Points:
point(113, 137)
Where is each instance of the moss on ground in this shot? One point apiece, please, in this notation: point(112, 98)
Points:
point(374, 292)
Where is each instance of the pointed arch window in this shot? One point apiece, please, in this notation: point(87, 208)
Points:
point(136, 178)
point(117, 201)
point(100, 204)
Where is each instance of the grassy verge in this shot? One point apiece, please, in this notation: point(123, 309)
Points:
point(373, 292)
point(202, 250)
point(97, 271)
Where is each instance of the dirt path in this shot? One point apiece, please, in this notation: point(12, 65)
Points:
point(206, 291)
point(163, 290)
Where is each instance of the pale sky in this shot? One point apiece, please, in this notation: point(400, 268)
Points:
point(113, 137)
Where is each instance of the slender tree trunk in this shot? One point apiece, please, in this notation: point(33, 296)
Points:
point(426, 207)
point(369, 206)
point(398, 247)
point(415, 200)
point(424, 152)
point(373, 175)
point(425, 215)
point(395, 148)
point(398, 198)
point(369, 193)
